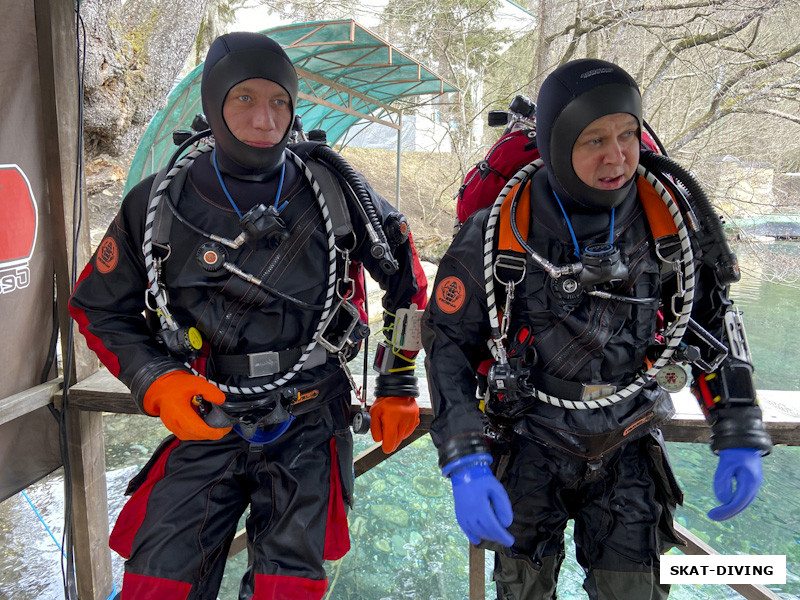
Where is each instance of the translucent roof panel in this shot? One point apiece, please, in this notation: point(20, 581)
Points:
point(346, 73)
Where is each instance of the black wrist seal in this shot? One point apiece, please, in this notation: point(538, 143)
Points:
point(151, 371)
point(391, 384)
point(461, 445)
point(738, 427)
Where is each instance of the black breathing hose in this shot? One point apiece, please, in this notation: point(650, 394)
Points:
point(726, 265)
point(186, 143)
point(380, 247)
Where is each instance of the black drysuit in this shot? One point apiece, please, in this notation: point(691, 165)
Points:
point(605, 467)
point(176, 529)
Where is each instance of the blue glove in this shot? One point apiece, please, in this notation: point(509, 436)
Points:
point(483, 509)
point(743, 465)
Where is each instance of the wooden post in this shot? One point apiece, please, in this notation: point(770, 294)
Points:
point(477, 573)
point(58, 74)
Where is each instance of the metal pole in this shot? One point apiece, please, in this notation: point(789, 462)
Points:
point(397, 176)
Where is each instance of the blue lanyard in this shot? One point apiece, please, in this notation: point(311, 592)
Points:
point(228, 196)
point(572, 231)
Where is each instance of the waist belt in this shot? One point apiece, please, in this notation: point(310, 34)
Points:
point(570, 390)
point(261, 364)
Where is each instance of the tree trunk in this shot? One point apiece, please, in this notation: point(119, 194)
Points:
point(134, 52)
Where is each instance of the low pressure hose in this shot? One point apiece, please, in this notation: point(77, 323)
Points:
point(727, 265)
point(380, 246)
point(186, 143)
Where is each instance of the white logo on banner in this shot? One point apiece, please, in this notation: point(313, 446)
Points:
point(19, 226)
point(718, 568)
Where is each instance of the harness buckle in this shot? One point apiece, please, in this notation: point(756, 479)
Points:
point(262, 364)
point(335, 331)
point(513, 263)
point(593, 391)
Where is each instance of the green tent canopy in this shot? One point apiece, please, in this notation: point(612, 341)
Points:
point(347, 75)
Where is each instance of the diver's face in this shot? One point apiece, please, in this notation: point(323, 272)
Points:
point(258, 112)
point(606, 153)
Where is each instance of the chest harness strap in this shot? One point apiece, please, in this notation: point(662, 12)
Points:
point(666, 221)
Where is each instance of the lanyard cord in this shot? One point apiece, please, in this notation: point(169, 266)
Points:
point(572, 231)
point(228, 196)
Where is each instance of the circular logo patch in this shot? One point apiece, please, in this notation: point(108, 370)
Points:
point(107, 255)
point(450, 295)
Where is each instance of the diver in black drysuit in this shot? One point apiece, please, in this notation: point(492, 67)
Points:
point(604, 467)
point(176, 529)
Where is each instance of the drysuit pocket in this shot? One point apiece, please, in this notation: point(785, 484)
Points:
point(142, 476)
point(667, 490)
point(132, 515)
point(344, 457)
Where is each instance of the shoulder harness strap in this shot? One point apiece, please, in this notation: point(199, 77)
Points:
point(162, 223)
point(334, 197)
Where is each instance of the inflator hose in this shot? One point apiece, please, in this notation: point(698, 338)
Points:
point(727, 265)
point(188, 142)
point(380, 249)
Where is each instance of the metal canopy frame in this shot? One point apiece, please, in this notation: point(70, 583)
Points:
point(346, 74)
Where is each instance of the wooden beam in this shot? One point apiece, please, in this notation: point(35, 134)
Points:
point(29, 400)
point(103, 392)
point(57, 54)
point(477, 573)
point(697, 547)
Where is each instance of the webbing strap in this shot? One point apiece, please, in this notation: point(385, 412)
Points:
point(658, 216)
point(506, 238)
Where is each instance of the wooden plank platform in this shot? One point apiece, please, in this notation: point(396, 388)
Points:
point(103, 392)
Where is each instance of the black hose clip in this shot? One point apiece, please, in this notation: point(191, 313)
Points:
point(602, 263)
point(263, 221)
point(511, 379)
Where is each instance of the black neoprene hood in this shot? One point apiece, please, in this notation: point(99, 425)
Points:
point(231, 59)
point(571, 97)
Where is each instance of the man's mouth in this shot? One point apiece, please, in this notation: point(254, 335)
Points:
point(611, 183)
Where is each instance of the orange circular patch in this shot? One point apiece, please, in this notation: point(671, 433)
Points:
point(450, 295)
point(107, 255)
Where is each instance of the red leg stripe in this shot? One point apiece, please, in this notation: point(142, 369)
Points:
point(284, 587)
point(144, 587)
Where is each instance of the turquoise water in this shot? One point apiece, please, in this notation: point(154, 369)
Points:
point(406, 542)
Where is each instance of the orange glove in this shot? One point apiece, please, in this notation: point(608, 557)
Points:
point(170, 397)
point(393, 419)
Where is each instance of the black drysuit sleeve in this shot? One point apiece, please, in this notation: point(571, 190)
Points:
point(455, 333)
point(108, 302)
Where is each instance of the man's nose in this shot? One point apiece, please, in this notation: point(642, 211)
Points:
point(615, 153)
point(263, 117)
